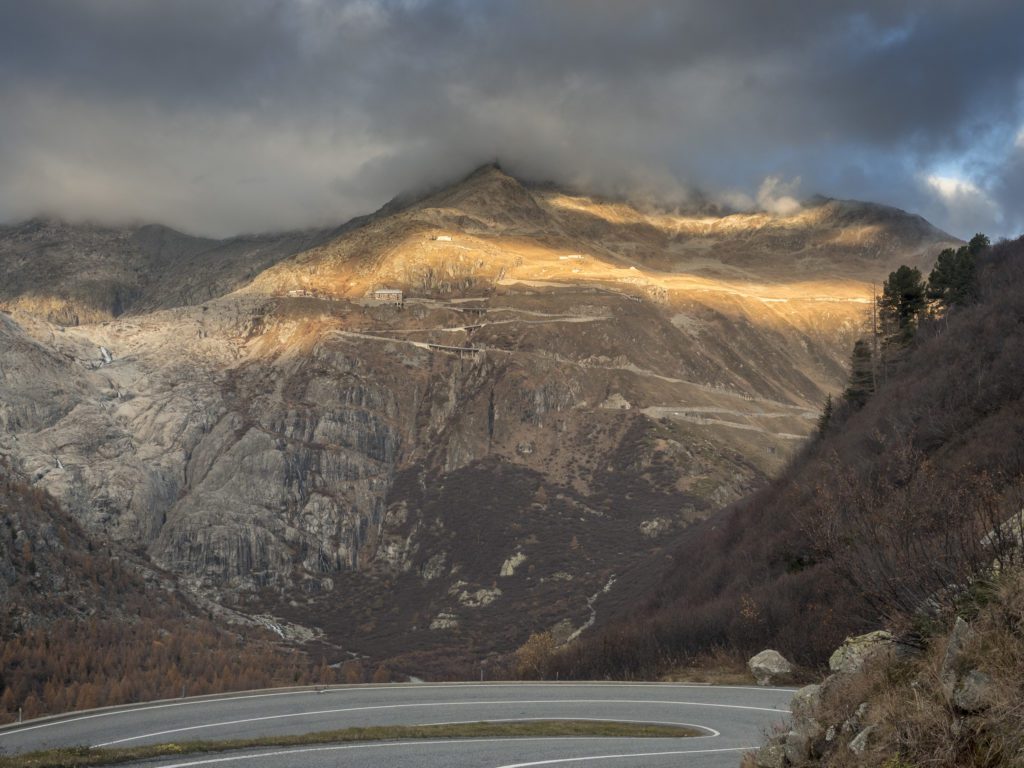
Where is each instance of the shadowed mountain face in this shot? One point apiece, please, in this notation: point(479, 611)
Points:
point(568, 384)
point(73, 274)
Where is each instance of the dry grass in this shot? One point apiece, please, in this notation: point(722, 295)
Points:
point(912, 705)
point(718, 666)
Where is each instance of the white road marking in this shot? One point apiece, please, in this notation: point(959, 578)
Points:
point(9, 730)
point(266, 718)
point(393, 745)
point(558, 760)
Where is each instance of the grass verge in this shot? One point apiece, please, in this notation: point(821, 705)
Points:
point(76, 757)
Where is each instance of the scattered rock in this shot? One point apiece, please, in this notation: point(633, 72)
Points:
point(445, 621)
point(853, 723)
point(479, 598)
point(974, 692)
point(855, 652)
point(656, 527)
point(616, 402)
point(769, 667)
point(434, 567)
point(958, 639)
point(508, 568)
point(860, 741)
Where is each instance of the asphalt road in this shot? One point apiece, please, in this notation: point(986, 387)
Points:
point(733, 720)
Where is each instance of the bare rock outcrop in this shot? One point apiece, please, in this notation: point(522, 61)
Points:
point(857, 651)
point(769, 667)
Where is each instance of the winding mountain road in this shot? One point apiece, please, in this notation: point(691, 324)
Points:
point(732, 719)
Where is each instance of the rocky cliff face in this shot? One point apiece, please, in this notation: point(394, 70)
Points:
point(549, 404)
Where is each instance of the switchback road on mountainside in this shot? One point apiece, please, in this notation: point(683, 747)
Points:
point(731, 719)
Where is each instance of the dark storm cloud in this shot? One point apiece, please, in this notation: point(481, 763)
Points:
point(256, 114)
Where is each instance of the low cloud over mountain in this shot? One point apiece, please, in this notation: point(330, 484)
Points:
point(259, 114)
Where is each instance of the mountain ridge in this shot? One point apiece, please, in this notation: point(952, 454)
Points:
point(569, 383)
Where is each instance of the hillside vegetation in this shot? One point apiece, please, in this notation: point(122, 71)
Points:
point(79, 628)
point(876, 522)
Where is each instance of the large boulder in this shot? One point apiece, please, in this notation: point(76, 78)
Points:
point(806, 702)
point(770, 667)
point(797, 748)
point(855, 652)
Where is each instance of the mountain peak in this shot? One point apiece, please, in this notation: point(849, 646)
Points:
point(491, 195)
point(493, 167)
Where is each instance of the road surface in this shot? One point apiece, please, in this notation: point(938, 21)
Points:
point(731, 718)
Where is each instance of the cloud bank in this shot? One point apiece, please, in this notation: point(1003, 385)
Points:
point(246, 115)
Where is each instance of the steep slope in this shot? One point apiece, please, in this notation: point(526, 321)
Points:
point(542, 411)
point(897, 507)
point(66, 602)
point(86, 273)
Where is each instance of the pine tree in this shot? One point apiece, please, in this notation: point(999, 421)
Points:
point(862, 375)
point(903, 298)
point(826, 415)
point(978, 244)
point(954, 280)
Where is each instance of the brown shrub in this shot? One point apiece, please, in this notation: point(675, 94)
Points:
point(533, 656)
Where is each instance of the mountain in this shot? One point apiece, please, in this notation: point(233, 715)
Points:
point(86, 273)
point(569, 384)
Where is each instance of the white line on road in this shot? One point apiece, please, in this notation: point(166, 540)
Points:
point(558, 760)
point(266, 718)
point(393, 745)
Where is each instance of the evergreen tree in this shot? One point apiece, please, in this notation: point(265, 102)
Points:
point(862, 376)
point(954, 280)
point(978, 244)
point(903, 298)
point(826, 415)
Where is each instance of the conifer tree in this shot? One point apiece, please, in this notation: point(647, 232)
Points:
point(954, 280)
point(903, 298)
point(826, 415)
point(862, 376)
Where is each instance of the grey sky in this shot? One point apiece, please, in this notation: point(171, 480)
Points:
point(221, 116)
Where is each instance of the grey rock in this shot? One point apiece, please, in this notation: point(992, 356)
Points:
point(973, 693)
point(958, 639)
point(855, 652)
point(859, 743)
point(797, 748)
point(853, 723)
point(806, 701)
point(769, 667)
